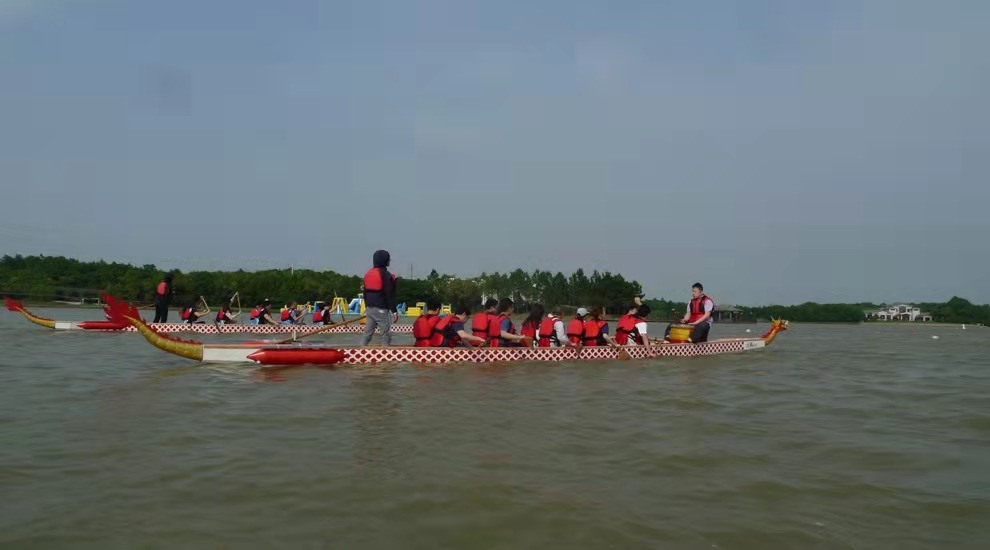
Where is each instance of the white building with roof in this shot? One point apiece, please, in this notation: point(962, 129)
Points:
point(901, 312)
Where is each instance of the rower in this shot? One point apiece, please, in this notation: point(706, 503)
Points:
point(481, 320)
point(322, 315)
point(501, 331)
point(255, 316)
point(596, 330)
point(450, 331)
point(631, 328)
point(531, 326)
point(265, 315)
point(699, 315)
point(575, 329)
point(424, 324)
point(552, 332)
point(224, 316)
point(291, 315)
point(191, 313)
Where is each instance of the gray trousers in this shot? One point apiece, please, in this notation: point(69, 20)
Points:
point(377, 317)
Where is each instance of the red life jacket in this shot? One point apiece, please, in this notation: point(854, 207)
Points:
point(439, 333)
point(495, 329)
point(593, 332)
point(479, 324)
point(548, 335)
point(286, 314)
point(318, 316)
point(373, 280)
point(423, 329)
point(187, 313)
point(255, 313)
point(626, 328)
point(221, 315)
point(575, 331)
point(697, 307)
point(162, 288)
point(529, 328)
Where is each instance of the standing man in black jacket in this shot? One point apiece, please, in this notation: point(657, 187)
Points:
point(379, 299)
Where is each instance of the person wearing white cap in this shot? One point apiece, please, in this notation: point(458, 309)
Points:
point(575, 329)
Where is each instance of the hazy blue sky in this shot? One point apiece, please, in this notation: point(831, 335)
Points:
point(777, 150)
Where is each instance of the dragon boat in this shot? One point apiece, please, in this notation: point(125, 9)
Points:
point(196, 328)
point(279, 354)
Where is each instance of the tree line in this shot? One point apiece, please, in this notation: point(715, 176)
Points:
point(59, 278)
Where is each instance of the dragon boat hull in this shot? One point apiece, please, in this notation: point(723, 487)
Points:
point(209, 328)
point(196, 328)
point(303, 354)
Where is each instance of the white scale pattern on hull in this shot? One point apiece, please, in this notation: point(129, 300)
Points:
point(375, 355)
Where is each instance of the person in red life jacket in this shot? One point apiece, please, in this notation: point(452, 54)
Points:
point(224, 316)
point(450, 331)
point(163, 297)
point(292, 315)
point(552, 332)
point(531, 326)
point(424, 324)
point(481, 321)
point(379, 299)
point(501, 331)
point(699, 315)
point(191, 313)
point(596, 330)
point(255, 316)
point(322, 315)
point(575, 328)
point(631, 328)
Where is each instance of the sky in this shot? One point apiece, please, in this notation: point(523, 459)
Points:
point(779, 151)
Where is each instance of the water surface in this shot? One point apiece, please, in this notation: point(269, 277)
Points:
point(834, 437)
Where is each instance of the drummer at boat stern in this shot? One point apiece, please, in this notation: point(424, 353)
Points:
point(379, 299)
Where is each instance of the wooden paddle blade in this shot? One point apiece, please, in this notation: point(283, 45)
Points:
point(526, 342)
point(623, 355)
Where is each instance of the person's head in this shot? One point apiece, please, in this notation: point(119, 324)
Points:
point(582, 313)
point(697, 290)
point(381, 258)
point(595, 313)
point(491, 304)
point(292, 305)
point(168, 277)
point(643, 311)
point(504, 306)
point(631, 310)
point(556, 311)
point(462, 311)
point(433, 305)
point(535, 312)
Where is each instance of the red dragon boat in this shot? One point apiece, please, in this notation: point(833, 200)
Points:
point(303, 354)
point(197, 328)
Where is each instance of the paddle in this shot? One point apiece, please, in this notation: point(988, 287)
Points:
point(317, 331)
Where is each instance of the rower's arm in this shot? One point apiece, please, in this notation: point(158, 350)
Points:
point(465, 335)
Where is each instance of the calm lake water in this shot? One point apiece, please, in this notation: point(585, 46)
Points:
point(834, 437)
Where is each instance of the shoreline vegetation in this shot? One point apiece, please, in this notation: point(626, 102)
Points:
point(49, 280)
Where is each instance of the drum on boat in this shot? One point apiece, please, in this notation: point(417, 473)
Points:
point(679, 333)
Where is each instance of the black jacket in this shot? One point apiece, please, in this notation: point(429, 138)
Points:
point(386, 298)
